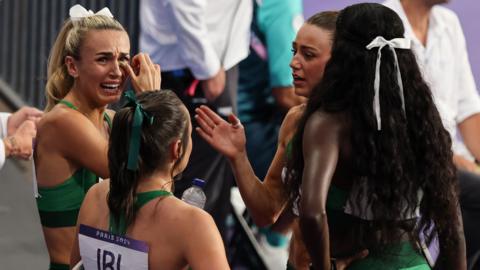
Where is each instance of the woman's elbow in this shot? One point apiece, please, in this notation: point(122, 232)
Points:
point(312, 218)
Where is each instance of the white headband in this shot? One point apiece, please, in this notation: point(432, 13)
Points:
point(78, 12)
point(396, 43)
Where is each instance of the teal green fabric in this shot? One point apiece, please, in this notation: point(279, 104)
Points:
point(394, 257)
point(336, 200)
point(58, 266)
point(288, 149)
point(274, 26)
point(139, 115)
point(119, 226)
point(401, 256)
point(68, 104)
point(273, 29)
point(287, 16)
point(59, 205)
point(274, 239)
point(108, 120)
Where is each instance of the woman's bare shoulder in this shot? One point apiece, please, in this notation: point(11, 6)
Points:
point(290, 123)
point(332, 118)
point(184, 216)
point(179, 209)
point(62, 120)
point(295, 112)
point(94, 205)
point(321, 122)
point(98, 192)
point(56, 116)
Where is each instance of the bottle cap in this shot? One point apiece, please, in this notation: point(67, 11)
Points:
point(198, 182)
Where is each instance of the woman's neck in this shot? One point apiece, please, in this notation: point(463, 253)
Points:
point(88, 108)
point(418, 13)
point(158, 180)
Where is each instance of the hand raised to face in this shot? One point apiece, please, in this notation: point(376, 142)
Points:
point(143, 73)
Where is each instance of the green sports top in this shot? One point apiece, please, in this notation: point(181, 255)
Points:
point(336, 198)
point(119, 226)
point(58, 206)
point(402, 255)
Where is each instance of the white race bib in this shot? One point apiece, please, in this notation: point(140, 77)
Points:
point(102, 250)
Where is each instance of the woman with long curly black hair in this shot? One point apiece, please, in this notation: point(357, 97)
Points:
point(371, 164)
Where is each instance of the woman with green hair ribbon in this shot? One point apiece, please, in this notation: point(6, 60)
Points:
point(138, 117)
point(136, 205)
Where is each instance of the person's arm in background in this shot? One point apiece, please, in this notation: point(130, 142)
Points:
point(280, 21)
point(20, 143)
point(16, 133)
point(468, 117)
point(16, 119)
point(470, 130)
point(3, 133)
point(463, 163)
point(188, 18)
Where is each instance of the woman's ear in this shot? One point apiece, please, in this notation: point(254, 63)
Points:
point(71, 65)
point(176, 149)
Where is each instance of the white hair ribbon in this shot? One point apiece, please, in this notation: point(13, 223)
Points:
point(78, 12)
point(396, 43)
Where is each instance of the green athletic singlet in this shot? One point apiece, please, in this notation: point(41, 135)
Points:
point(59, 205)
point(141, 199)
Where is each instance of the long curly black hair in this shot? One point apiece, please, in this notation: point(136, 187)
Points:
point(411, 152)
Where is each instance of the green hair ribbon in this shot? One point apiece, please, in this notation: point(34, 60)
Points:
point(138, 117)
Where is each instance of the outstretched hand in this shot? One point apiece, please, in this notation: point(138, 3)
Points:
point(226, 137)
point(144, 74)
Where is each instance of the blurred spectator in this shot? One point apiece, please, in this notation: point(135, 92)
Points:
point(265, 91)
point(439, 44)
point(198, 44)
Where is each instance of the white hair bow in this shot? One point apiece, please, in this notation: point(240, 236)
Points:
point(78, 12)
point(396, 43)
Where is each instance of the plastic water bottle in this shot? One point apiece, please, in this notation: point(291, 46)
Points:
point(195, 195)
